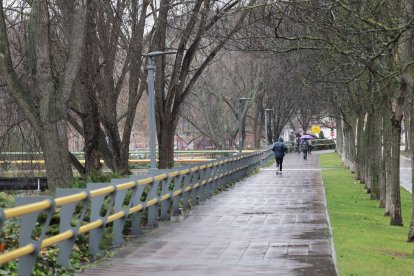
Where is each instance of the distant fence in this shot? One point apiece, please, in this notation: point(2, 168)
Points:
point(160, 193)
point(23, 183)
point(317, 144)
point(34, 160)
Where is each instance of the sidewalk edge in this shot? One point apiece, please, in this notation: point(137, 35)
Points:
point(329, 224)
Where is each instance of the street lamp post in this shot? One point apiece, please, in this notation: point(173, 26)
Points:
point(151, 102)
point(266, 125)
point(241, 141)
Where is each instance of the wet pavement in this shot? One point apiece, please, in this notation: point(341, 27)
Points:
point(265, 225)
point(405, 173)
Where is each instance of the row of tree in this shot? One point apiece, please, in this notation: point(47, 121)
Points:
point(350, 60)
point(79, 66)
point(80, 62)
point(363, 74)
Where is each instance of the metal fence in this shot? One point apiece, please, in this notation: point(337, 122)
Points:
point(160, 193)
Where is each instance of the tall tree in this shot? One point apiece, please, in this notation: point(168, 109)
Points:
point(200, 38)
point(44, 99)
point(111, 82)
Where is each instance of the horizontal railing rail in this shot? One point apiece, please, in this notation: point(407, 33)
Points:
point(34, 160)
point(160, 192)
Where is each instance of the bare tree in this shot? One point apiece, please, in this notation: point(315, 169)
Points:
point(195, 50)
point(44, 97)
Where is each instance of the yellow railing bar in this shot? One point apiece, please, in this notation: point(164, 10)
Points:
point(184, 171)
point(88, 227)
point(172, 174)
point(27, 209)
point(125, 186)
point(23, 162)
point(131, 161)
point(152, 201)
point(160, 177)
point(164, 197)
point(115, 216)
point(17, 253)
point(57, 238)
point(102, 191)
point(45, 204)
point(60, 201)
point(145, 181)
point(135, 209)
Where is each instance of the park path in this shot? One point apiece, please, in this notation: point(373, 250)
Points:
point(265, 225)
point(405, 173)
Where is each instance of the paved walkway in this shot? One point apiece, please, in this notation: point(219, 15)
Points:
point(265, 225)
point(405, 173)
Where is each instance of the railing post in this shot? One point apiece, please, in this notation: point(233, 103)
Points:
point(118, 225)
point(28, 222)
point(153, 210)
point(66, 214)
point(165, 204)
point(111, 199)
point(176, 199)
point(95, 235)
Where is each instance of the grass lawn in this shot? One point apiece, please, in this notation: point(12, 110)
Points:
point(364, 241)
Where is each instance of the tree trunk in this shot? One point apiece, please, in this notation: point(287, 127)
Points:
point(395, 203)
point(406, 55)
point(376, 158)
point(87, 96)
point(257, 129)
point(411, 148)
point(339, 136)
point(368, 160)
point(345, 144)
point(352, 146)
point(258, 120)
point(56, 155)
point(349, 144)
point(166, 147)
point(359, 150)
point(91, 136)
point(52, 109)
point(386, 136)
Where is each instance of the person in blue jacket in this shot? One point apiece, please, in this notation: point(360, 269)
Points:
point(279, 148)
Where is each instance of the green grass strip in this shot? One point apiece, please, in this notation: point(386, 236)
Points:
point(364, 241)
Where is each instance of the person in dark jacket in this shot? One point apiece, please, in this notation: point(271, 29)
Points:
point(279, 148)
point(305, 149)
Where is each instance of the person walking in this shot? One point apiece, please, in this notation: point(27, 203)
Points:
point(279, 148)
point(305, 149)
